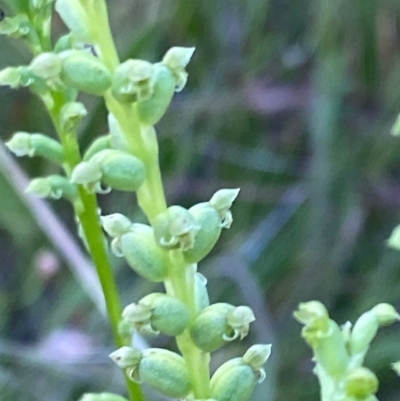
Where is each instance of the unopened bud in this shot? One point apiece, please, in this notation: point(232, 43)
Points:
point(361, 383)
point(257, 355)
point(10, 76)
point(116, 224)
point(126, 357)
point(53, 186)
point(46, 66)
point(25, 144)
point(71, 115)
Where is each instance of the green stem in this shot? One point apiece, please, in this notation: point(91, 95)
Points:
point(86, 211)
point(142, 142)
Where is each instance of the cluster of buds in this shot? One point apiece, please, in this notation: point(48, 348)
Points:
point(177, 238)
point(339, 352)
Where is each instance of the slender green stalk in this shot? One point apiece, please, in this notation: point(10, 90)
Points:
point(143, 142)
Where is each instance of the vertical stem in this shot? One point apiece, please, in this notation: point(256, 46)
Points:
point(86, 211)
point(142, 142)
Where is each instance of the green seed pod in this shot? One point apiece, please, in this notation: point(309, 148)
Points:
point(169, 315)
point(133, 81)
point(24, 144)
point(53, 186)
point(120, 170)
point(85, 72)
point(126, 357)
point(142, 253)
point(99, 144)
point(116, 224)
point(165, 371)
point(175, 227)
point(361, 383)
point(367, 325)
point(71, 115)
point(102, 397)
point(233, 381)
point(209, 221)
point(46, 66)
point(220, 323)
point(151, 110)
point(200, 292)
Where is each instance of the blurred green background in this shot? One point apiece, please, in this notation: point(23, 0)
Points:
point(292, 101)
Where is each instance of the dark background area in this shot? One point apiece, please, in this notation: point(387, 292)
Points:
point(293, 102)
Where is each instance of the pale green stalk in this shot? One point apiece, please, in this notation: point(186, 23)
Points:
point(143, 142)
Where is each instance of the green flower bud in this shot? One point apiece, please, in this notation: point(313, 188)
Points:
point(200, 292)
point(177, 58)
point(142, 253)
point(116, 224)
point(120, 170)
point(46, 66)
point(209, 221)
point(88, 175)
point(361, 383)
point(24, 144)
point(15, 27)
point(222, 201)
point(367, 326)
point(138, 316)
point(168, 315)
point(257, 355)
point(394, 239)
point(313, 314)
point(133, 81)
point(53, 186)
point(175, 227)
point(396, 367)
point(324, 336)
point(151, 110)
point(99, 144)
point(11, 76)
point(220, 323)
point(386, 314)
point(165, 371)
point(102, 397)
point(85, 72)
point(71, 115)
point(233, 381)
point(126, 357)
